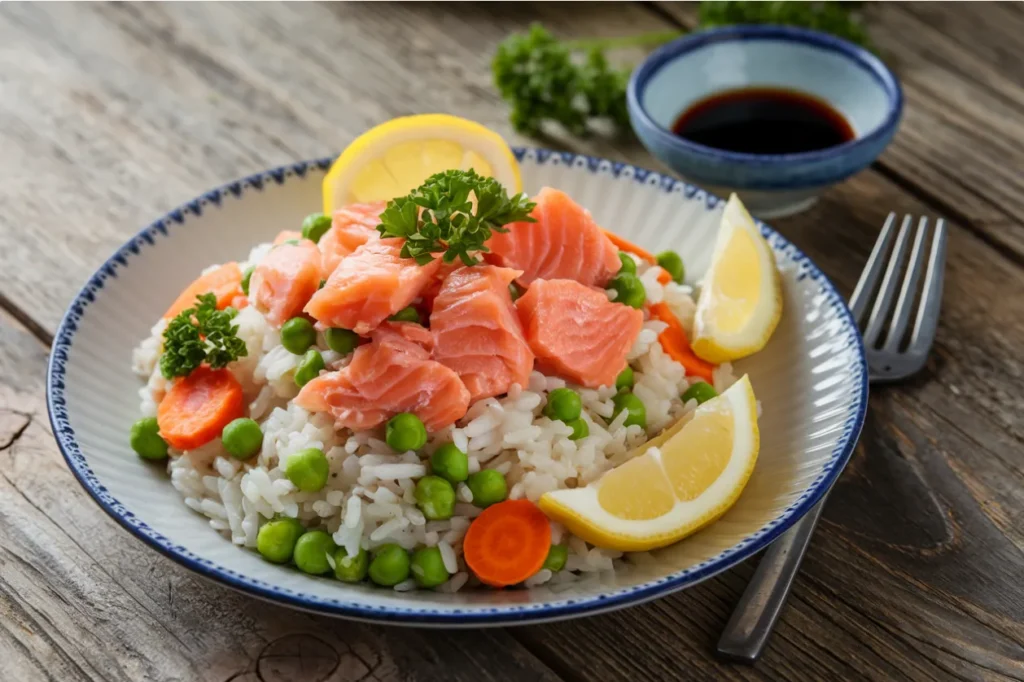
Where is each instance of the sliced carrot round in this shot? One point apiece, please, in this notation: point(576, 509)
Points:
point(507, 543)
point(198, 407)
point(225, 283)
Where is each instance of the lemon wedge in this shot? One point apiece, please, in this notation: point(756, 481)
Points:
point(392, 159)
point(741, 301)
point(673, 485)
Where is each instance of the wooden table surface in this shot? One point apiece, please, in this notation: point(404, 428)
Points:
point(110, 115)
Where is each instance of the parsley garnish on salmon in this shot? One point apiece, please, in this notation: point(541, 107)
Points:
point(439, 217)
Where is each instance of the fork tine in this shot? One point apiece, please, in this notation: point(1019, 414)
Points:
point(928, 311)
point(887, 290)
point(873, 268)
point(901, 315)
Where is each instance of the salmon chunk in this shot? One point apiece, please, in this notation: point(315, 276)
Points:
point(564, 243)
point(351, 227)
point(285, 280)
point(391, 374)
point(576, 332)
point(477, 331)
point(368, 286)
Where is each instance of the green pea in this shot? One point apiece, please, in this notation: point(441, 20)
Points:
point(428, 567)
point(342, 341)
point(276, 539)
point(556, 558)
point(435, 497)
point(580, 429)
point(348, 569)
point(701, 391)
point(390, 565)
point(309, 367)
point(628, 264)
point(315, 226)
point(311, 552)
point(407, 314)
point(630, 289)
point(450, 463)
point(633, 406)
point(488, 487)
point(563, 404)
point(625, 380)
point(673, 264)
point(146, 441)
point(405, 432)
point(242, 438)
point(514, 291)
point(307, 469)
point(246, 276)
point(297, 335)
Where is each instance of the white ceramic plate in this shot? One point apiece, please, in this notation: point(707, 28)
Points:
point(811, 381)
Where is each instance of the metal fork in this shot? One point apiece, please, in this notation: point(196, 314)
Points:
point(889, 359)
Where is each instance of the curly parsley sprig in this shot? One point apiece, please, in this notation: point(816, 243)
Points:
point(571, 83)
point(438, 217)
point(200, 334)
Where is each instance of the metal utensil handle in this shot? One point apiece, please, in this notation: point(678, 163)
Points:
point(754, 617)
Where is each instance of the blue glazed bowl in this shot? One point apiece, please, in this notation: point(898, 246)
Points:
point(850, 79)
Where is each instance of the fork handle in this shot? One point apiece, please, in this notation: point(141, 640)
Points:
point(754, 617)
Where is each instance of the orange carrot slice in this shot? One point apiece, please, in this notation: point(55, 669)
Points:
point(675, 343)
point(507, 543)
point(225, 283)
point(663, 277)
point(198, 407)
point(629, 247)
point(285, 235)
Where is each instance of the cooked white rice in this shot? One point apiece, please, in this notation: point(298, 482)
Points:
point(368, 500)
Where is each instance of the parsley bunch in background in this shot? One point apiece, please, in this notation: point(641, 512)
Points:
point(439, 216)
point(200, 334)
point(571, 83)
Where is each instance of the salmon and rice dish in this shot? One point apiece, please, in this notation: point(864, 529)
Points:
point(440, 382)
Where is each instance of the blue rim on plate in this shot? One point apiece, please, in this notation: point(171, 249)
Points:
point(688, 43)
point(413, 615)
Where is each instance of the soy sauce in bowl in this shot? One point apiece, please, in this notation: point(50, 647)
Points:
point(764, 121)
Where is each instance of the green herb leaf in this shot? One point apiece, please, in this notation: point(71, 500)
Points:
point(200, 334)
point(570, 83)
point(438, 217)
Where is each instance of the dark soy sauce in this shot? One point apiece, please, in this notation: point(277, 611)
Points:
point(763, 121)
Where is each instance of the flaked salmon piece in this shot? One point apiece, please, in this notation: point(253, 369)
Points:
point(477, 331)
point(564, 243)
point(391, 374)
point(370, 285)
point(576, 332)
point(434, 288)
point(286, 236)
point(351, 227)
point(285, 280)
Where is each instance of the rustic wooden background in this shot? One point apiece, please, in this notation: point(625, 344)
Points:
point(112, 114)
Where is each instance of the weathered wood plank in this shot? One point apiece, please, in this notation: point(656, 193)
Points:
point(960, 141)
point(81, 600)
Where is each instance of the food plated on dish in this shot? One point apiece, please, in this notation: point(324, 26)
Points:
point(418, 421)
point(439, 383)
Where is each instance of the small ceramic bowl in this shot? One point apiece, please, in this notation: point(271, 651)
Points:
point(848, 78)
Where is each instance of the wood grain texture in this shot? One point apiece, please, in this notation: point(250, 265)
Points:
point(82, 600)
point(112, 114)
